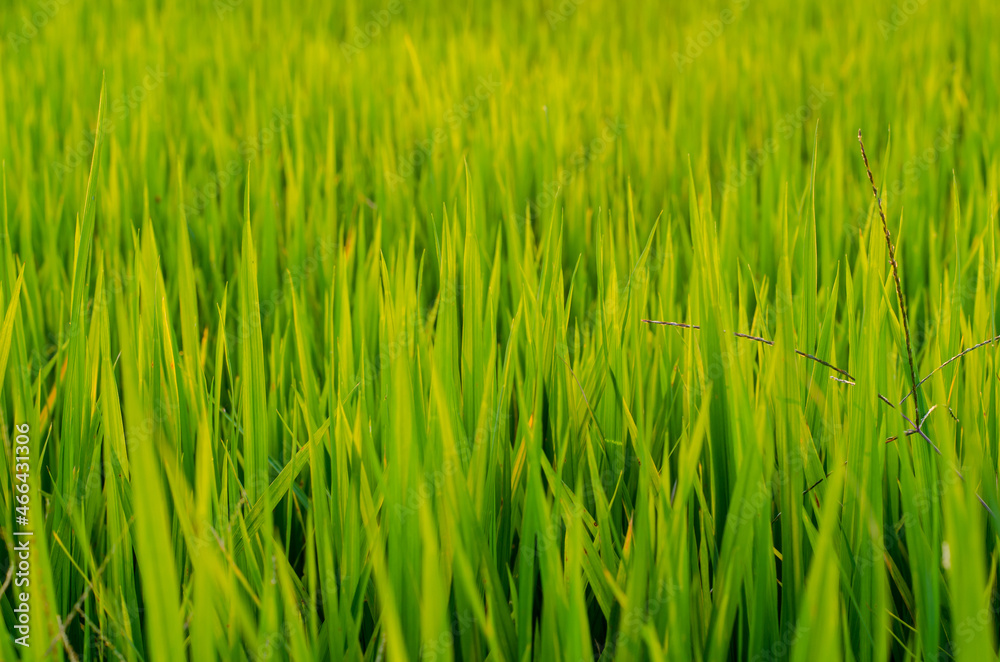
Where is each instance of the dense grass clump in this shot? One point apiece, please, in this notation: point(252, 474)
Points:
point(329, 323)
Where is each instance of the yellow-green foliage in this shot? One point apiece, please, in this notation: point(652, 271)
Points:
point(327, 322)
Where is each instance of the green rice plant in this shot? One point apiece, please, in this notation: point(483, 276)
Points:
point(524, 331)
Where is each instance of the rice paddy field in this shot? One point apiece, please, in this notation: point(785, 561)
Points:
point(327, 330)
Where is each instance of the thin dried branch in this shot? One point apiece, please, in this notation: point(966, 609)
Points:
point(895, 274)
